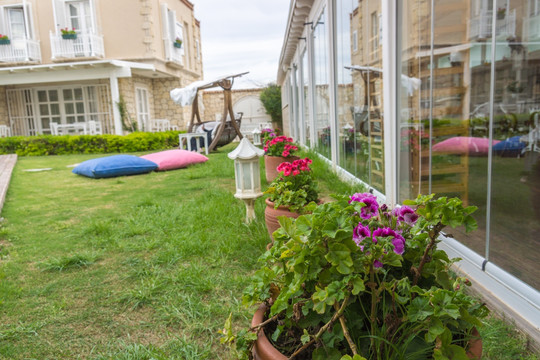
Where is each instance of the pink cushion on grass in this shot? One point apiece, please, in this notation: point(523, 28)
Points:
point(175, 159)
point(464, 145)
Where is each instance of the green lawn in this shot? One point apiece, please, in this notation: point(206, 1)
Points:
point(139, 267)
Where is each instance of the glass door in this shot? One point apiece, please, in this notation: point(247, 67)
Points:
point(48, 109)
point(73, 105)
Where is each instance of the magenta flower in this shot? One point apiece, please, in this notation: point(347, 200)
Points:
point(360, 233)
point(406, 214)
point(371, 208)
point(397, 240)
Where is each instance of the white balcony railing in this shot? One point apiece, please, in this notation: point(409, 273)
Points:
point(20, 50)
point(85, 45)
point(480, 26)
point(531, 28)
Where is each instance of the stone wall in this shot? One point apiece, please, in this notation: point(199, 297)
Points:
point(213, 101)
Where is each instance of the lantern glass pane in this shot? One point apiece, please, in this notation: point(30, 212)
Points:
point(256, 177)
point(238, 175)
point(246, 175)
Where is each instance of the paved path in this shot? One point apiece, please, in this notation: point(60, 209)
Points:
point(7, 163)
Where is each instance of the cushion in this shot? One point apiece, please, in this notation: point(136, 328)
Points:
point(510, 147)
point(116, 165)
point(464, 145)
point(175, 159)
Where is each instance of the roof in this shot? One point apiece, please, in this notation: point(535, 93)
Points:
point(298, 12)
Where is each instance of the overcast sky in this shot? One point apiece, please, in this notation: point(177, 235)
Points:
point(242, 35)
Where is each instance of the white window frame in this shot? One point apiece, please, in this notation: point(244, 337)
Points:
point(6, 23)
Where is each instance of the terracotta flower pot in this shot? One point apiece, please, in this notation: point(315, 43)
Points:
point(263, 349)
point(272, 162)
point(271, 214)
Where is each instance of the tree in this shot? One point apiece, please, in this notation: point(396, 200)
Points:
point(271, 100)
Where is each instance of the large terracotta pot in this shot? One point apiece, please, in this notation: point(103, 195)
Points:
point(272, 162)
point(264, 350)
point(271, 214)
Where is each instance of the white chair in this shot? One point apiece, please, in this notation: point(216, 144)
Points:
point(54, 128)
point(160, 125)
point(94, 128)
point(5, 131)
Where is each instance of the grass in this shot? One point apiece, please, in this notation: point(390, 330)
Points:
point(139, 267)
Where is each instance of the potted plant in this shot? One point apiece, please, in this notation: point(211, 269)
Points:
point(501, 13)
point(290, 192)
point(4, 40)
point(267, 134)
point(357, 280)
point(69, 34)
point(177, 43)
point(277, 150)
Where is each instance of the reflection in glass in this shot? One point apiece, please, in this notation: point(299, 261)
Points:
point(305, 87)
point(321, 98)
point(446, 134)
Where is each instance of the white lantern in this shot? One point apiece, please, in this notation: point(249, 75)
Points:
point(256, 137)
point(247, 174)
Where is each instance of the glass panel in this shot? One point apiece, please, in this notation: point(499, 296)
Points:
point(53, 95)
point(69, 108)
point(44, 109)
point(68, 94)
point(16, 19)
point(515, 195)
point(78, 94)
point(320, 55)
point(70, 119)
point(348, 132)
point(246, 172)
point(80, 107)
point(443, 126)
point(42, 96)
point(305, 79)
point(55, 109)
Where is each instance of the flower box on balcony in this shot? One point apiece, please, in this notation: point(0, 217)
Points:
point(177, 45)
point(69, 36)
point(5, 41)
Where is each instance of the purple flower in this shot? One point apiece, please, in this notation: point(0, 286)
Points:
point(406, 214)
point(371, 207)
point(377, 264)
point(397, 240)
point(360, 233)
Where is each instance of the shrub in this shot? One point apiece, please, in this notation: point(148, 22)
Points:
point(87, 144)
point(271, 100)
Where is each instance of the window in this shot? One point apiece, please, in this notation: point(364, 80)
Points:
point(16, 25)
point(79, 16)
point(198, 49)
point(355, 41)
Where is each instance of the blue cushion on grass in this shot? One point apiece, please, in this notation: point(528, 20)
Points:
point(116, 165)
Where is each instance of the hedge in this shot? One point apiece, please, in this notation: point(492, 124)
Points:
point(87, 144)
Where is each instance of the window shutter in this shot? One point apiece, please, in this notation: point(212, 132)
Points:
point(165, 28)
point(3, 27)
point(59, 14)
point(30, 25)
point(172, 24)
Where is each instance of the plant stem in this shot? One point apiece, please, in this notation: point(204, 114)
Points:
point(352, 345)
point(258, 327)
point(433, 235)
point(323, 329)
point(373, 316)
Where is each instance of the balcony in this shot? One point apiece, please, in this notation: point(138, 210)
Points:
point(480, 26)
point(20, 50)
point(174, 54)
point(531, 28)
point(84, 46)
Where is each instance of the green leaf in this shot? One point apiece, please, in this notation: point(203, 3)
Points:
point(355, 357)
point(358, 285)
point(305, 338)
point(435, 329)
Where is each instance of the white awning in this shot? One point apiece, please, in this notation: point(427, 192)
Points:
point(74, 71)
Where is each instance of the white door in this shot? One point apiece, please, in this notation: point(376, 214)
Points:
point(143, 112)
point(48, 109)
